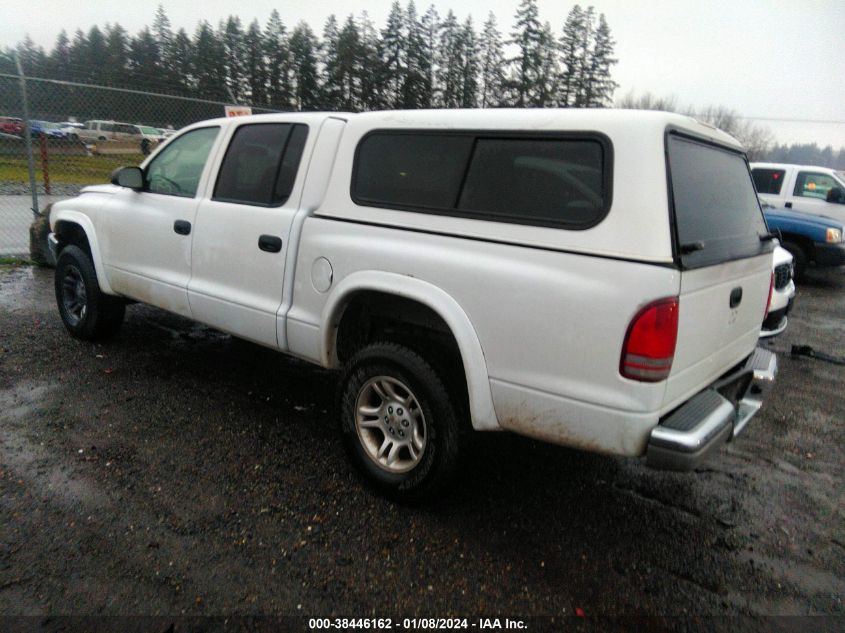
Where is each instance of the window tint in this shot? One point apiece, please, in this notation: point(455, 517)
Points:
point(768, 180)
point(261, 163)
point(717, 214)
point(106, 127)
point(177, 169)
point(536, 180)
point(416, 170)
point(813, 185)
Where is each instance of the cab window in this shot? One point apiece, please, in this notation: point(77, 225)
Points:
point(176, 171)
point(261, 163)
point(813, 185)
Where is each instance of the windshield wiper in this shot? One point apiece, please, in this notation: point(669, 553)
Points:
point(691, 247)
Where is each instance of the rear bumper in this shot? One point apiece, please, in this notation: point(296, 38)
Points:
point(684, 438)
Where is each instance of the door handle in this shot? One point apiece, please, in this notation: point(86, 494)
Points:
point(736, 296)
point(788, 205)
point(270, 243)
point(182, 227)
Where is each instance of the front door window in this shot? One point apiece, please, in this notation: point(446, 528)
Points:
point(177, 169)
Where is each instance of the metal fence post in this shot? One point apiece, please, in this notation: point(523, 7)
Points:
point(28, 138)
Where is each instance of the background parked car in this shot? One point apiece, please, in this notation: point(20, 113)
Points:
point(11, 125)
point(98, 130)
point(46, 128)
point(810, 238)
point(151, 138)
point(783, 294)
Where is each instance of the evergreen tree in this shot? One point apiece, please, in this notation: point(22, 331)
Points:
point(58, 64)
point(255, 66)
point(208, 63)
point(492, 65)
point(144, 59)
point(583, 84)
point(393, 54)
point(602, 86)
point(306, 84)
point(183, 53)
point(279, 69)
point(415, 88)
point(527, 36)
point(549, 70)
point(373, 87)
point(468, 46)
point(115, 62)
point(33, 59)
point(570, 44)
point(234, 47)
point(429, 30)
point(450, 62)
point(95, 53)
point(329, 57)
point(350, 67)
point(78, 55)
point(167, 72)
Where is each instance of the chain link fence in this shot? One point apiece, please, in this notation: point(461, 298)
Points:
point(78, 134)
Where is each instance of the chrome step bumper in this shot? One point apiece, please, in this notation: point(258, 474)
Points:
point(683, 439)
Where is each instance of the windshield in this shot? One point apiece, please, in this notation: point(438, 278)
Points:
point(149, 130)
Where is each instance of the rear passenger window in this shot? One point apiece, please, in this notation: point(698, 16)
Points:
point(411, 170)
point(768, 180)
point(535, 180)
point(261, 163)
point(543, 180)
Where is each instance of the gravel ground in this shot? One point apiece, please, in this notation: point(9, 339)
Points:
point(176, 470)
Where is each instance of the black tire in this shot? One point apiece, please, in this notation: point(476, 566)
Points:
point(799, 257)
point(74, 137)
point(87, 313)
point(437, 461)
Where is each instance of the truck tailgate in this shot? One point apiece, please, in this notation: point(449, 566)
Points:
point(725, 254)
point(713, 335)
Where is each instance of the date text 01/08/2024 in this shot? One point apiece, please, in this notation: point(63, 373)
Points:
point(384, 624)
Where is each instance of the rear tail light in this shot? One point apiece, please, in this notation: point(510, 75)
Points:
point(649, 347)
point(771, 292)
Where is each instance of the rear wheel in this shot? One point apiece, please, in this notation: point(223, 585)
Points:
point(398, 421)
point(86, 312)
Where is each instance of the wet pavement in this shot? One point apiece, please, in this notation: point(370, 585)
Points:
point(175, 470)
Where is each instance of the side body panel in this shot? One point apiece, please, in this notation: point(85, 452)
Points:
point(550, 325)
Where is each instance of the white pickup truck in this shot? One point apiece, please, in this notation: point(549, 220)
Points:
point(592, 278)
point(818, 190)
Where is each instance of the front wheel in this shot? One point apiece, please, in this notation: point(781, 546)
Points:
point(398, 421)
point(86, 312)
point(799, 259)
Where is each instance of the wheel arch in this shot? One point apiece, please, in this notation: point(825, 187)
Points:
point(480, 398)
point(66, 226)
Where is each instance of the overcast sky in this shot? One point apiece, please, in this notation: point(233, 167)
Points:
point(770, 59)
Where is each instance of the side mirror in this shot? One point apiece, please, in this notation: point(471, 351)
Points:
point(129, 177)
point(836, 195)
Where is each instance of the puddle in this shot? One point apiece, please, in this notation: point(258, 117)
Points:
point(51, 475)
point(26, 288)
